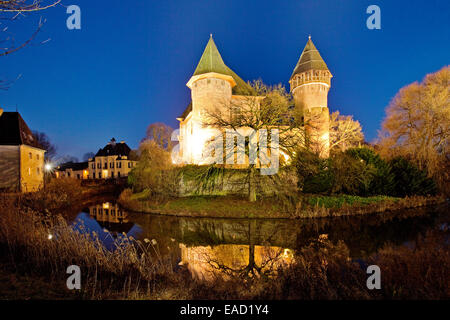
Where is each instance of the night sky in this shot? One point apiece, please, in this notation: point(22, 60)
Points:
point(129, 64)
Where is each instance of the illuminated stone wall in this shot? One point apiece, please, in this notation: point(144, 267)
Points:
point(31, 168)
point(310, 91)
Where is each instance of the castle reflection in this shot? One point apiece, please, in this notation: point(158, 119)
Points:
point(193, 244)
point(212, 247)
point(207, 263)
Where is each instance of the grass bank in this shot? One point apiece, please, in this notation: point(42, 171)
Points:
point(305, 206)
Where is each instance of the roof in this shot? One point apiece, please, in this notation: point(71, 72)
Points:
point(114, 148)
point(211, 61)
point(14, 131)
point(75, 166)
point(187, 111)
point(310, 59)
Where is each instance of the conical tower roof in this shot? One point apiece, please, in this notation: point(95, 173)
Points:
point(309, 60)
point(211, 61)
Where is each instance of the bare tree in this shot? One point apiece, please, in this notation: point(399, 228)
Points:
point(44, 141)
point(272, 108)
point(417, 124)
point(161, 134)
point(344, 132)
point(88, 155)
point(10, 12)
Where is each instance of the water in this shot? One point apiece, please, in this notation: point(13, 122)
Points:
point(208, 244)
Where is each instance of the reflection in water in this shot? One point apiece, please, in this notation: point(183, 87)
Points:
point(108, 222)
point(254, 247)
point(206, 262)
point(108, 212)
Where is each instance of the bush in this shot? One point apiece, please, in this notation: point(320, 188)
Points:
point(313, 173)
point(154, 171)
point(381, 177)
point(362, 172)
point(350, 175)
point(409, 180)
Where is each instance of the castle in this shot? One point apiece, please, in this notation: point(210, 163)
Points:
point(215, 85)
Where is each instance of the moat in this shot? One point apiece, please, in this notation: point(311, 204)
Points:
point(234, 244)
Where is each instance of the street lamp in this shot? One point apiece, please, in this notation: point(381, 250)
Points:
point(48, 167)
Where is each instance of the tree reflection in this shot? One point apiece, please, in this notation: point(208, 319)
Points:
point(247, 260)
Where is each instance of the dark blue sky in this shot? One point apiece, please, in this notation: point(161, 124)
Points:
point(128, 65)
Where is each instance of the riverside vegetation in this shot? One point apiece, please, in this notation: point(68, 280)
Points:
point(356, 181)
point(36, 249)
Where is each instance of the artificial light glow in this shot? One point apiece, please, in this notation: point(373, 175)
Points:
point(196, 146)
point(48, 167)
point(50, 237)
point(106, 205)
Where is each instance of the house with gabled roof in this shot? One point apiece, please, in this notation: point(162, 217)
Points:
point(112, 161)
point(21, 156)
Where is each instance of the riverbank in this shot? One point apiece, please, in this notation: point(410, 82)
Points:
point(33, 266)
point(307, 206)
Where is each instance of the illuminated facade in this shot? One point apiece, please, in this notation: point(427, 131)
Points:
point(21, 156)
point(215, 86)
point(113, 161)
point(73, 170)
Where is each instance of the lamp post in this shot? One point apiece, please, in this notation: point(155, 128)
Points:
point(48, 167)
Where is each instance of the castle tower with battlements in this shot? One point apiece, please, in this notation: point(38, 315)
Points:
point(214, 85)
point(310, 83)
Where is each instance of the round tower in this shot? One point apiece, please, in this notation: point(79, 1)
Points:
point(309, 84)
point(211, 84)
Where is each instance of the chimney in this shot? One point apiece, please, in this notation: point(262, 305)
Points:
point(1, 112)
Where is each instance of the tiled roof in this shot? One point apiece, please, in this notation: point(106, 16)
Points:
point(14, 131)
point(75, 166)
point(310, 59)
point(114, 148)
point(211, 61)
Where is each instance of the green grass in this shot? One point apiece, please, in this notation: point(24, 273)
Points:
point(299, 206)
point(335, 202)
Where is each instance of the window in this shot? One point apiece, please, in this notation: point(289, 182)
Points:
point(129, 164)
point(93, 166)
point(93, 175)
point(68, 174)
point(37, 156)
point(111, 165)
point(99, 165)
point(118, 174)
point(78, 176)
point(112, 175)
point(38, 171)
point(31, 155)
point(105, 166)
point(99, 175)
point(29, 171)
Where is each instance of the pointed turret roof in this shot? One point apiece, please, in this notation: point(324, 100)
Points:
point(309, 60)
point(211, 61)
